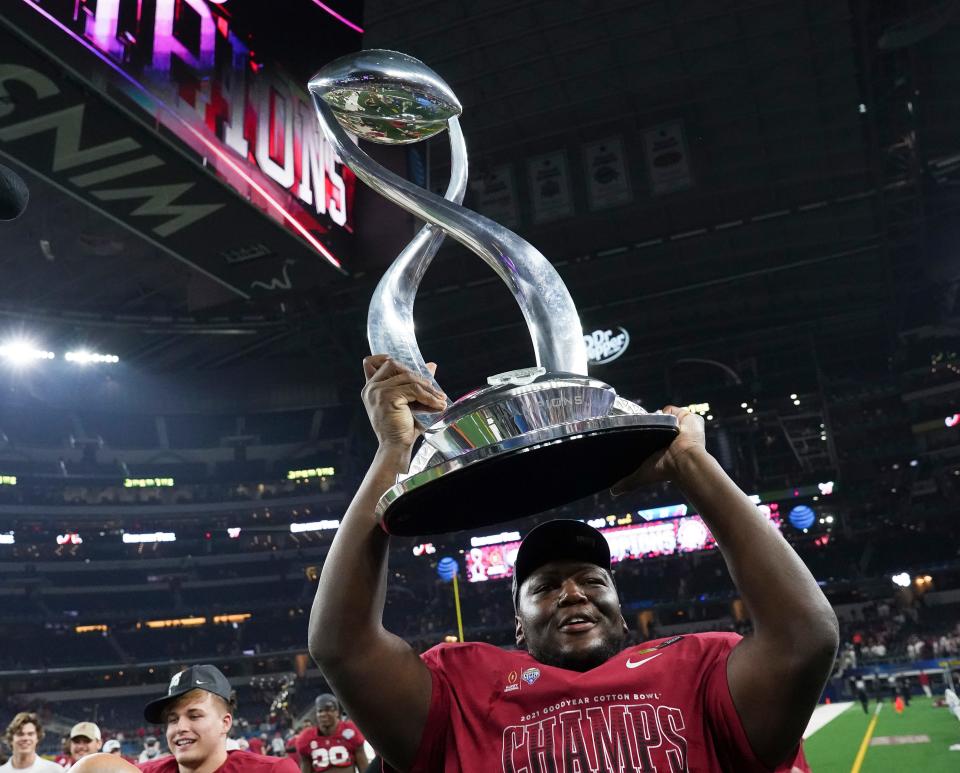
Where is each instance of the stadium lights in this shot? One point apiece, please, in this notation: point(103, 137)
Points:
point(7, 539)
point(314, 526)
point(180, 622)
point(313, 472)
point(22, 352)
point(147, 482)
point(83, 357)
point(238, 617)
point(495, 539)
point(902, 579)
point(101, 628)
point(157, 536)
point(8, 480)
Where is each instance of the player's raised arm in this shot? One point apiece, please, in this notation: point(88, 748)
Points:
point(776, 675)
point(381, 681)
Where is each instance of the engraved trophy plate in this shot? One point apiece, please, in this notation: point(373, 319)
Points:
point(532, 439)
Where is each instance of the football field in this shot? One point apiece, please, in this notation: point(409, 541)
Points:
point(919, 739)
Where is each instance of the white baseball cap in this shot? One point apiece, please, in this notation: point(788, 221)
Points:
point(87, 730)
point(113, 745)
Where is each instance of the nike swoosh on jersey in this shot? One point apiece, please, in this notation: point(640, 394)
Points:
point(631, 664)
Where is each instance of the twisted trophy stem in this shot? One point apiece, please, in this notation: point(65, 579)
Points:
point(392, 98)
point(390, 327)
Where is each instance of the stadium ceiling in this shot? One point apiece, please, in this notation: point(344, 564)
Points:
point(735, 179)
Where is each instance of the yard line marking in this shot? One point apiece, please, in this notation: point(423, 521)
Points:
point(865, 743)
point(823, 715)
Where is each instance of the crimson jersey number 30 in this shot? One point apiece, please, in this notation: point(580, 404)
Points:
point(334, 756)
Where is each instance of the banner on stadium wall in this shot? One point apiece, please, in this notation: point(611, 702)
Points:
point(162, 122)
point(496, 195)
point(608, 184)
point(668, 160)
point(549, 181)
point(935, 664)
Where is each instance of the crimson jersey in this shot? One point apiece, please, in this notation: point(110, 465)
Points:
point(238, 761)
point(799, 764)
point(337, 750)
point(664, 705)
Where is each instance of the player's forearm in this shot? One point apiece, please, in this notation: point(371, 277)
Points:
point(348, 607)
point(782, 597)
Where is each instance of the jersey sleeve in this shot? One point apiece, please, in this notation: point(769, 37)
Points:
point(730, 739)
point(285, 765)
point(430, 753)
point(356, 740)
point(303, 743)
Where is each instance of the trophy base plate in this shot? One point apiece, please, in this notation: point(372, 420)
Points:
point(524, 475)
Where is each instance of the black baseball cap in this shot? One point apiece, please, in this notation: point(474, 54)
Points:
point(14, 194)
point(204, 677)
point(326, 699)
point(559, 540)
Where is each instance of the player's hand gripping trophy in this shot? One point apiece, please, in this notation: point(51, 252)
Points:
point(532, 438)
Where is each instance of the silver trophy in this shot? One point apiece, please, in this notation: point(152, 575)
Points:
point(531, 439)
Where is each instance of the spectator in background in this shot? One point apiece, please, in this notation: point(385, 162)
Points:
point(23, 734)
point(925, 684)
point(151, 750)
point(113, 746)
point(860, 687)
point(256, 744)
point(333, 742)
point(63, 759)
point(85, 738)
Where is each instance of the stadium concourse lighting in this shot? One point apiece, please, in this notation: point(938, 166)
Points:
point(902, 579)
point(296, 528)
point(22, 352)
point(83, 357)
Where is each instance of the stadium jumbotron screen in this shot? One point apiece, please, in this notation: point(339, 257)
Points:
point(646, 540)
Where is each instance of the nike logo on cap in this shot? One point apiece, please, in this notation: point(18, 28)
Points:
point(631, 664)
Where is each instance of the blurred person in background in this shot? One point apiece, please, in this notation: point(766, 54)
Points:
point(333, 743)
point(23, 735)
point(925, 684)
point(85, 738)
point(860, 687)
point(151, 750)
point(113, 746)
point(63, 758)
point(197, 712)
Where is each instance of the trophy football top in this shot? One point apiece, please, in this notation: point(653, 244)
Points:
point(386, 97)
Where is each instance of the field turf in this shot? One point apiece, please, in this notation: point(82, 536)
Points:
point(833, 748)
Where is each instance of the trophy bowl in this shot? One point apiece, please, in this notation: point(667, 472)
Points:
point(533, 438)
